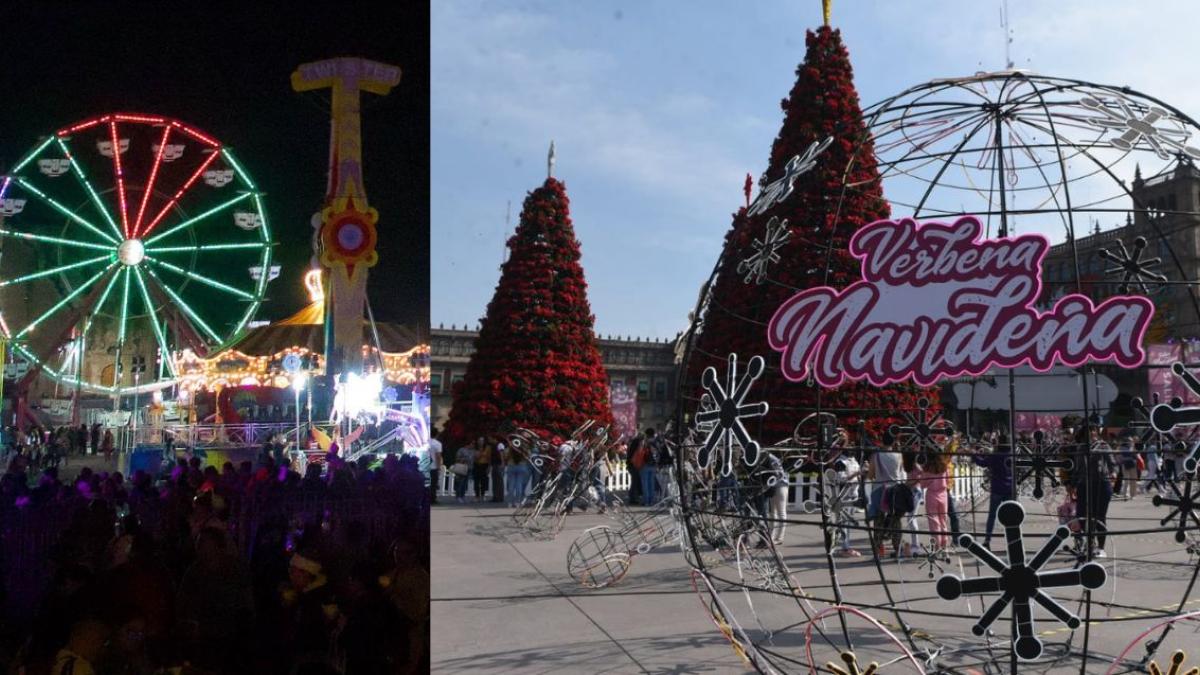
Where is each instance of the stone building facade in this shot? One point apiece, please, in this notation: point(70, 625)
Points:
point(643, 364)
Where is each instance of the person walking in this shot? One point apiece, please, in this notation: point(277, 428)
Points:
point(635, 479)
point(1093, 473)
point(664, 467)
point(1000, 485)
point(1129, 479)
point(1153, 474)
point(95, 438)
point(496, 458)
point(935, 479)
point(106, 446)
point(482, 467)
point(435, 465)
point(774, 500)
point(647, 472)
point(516, 476)
point(885, 470)
point(464, 463)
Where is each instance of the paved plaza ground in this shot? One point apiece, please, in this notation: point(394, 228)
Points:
point(503, 602)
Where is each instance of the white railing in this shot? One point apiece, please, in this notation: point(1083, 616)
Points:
point(968, 482)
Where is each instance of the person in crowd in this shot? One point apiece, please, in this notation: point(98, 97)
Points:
point(885, 470)
point(482, 468)
point(1153, 475)
point(664, 467)
point(1128, 458)
point(934, 478)
point(1094, 469)
point(516, 476)
point(464, 462)
point(635, 483)
point(95, 437)
point(496, 460)
point(909, 461)
point(1000, 480)
point(435, 464)
point(107, 445)
point(773, 498)
point(647, 469)
point(848, 471)
point(84, 648)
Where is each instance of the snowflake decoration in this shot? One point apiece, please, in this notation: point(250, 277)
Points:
point(729, 410)
point(1020, 581)
point(1166, 416)
point(1119, 115)
point(852, 667)
point(840, 499)
point(1136, 269)
point(1039, 460)
point(933, 557)
point(766, 251)
point(1186, 503)
point(781, 189)
point(926, 431)
point(1177, 660)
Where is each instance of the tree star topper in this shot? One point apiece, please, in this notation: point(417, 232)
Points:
point(1021, 581)
point(728, 414)
point(782, 189)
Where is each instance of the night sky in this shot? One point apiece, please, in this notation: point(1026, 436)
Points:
point(225, 69)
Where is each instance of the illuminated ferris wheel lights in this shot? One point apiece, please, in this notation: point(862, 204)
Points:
point(125, 117)
point(116, 155)
point(195, 134)
point(55, 270)
point(64, 210)
point(158, 157)
point(85, 125)
point(201, 278)
point(29, 236)
point(61, 303)
point(237, 167)
point(175, 199)
point(184, 306)
point(158, 334)
point(88, 186)
point(195, 219)
point(29, 158)
point(201, 247)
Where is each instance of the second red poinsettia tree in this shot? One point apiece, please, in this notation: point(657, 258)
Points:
point(536, 362)
point(821, 216)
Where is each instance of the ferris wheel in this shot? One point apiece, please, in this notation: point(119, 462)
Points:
point(123, 239)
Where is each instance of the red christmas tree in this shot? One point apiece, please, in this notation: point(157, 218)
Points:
point(536, 363)
point(821, 217)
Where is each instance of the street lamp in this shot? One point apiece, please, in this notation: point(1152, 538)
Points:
point(298, 381)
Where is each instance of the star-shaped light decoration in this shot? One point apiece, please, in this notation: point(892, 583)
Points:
point(852, 667)
point(766, 251)
point(1157, 126)
point(1186, 503)
point(839, 498)
point(1039, 460)
point(933, 557)
point(729, 411)
point(781, 189)
point(1176, 666)
point(1020, 581)
point(925, 432)
point(1164, 417)
point(1137, 271)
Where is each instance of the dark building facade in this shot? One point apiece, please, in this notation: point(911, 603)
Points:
point(642, 364)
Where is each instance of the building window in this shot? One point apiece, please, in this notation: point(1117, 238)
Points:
point(435, 383)
point(660, 390)
point(455, 380)
point(643, 388)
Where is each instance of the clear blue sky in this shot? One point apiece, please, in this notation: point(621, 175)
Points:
point(659, 109)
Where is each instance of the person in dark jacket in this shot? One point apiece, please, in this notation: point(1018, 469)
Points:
point(1000, 481)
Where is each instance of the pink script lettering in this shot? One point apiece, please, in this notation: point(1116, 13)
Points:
point(973, 311)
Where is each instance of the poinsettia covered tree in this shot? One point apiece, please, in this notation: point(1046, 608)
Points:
point(536, 362)
point(820, 218)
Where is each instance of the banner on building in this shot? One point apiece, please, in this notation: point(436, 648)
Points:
point(624, 402)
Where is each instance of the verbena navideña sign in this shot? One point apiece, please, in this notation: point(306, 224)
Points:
point(938, 300)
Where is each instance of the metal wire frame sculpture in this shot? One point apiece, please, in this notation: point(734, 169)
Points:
point(1022, 153)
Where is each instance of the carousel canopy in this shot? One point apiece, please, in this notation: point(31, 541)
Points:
point(306, 329)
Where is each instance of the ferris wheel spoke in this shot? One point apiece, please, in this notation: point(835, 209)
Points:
point(162, 148)
point(183, 190)
point(32, 155)
point(116, 153)
point(64, 210)
point(153, 316)
point(55, 240)
point(237, 168)
point(204, 247)
point(195, 219)
point(78, 170)
point(187, 309)
point(63, 303)
point(56, 270)
point(202, 279)
point(99, 306)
